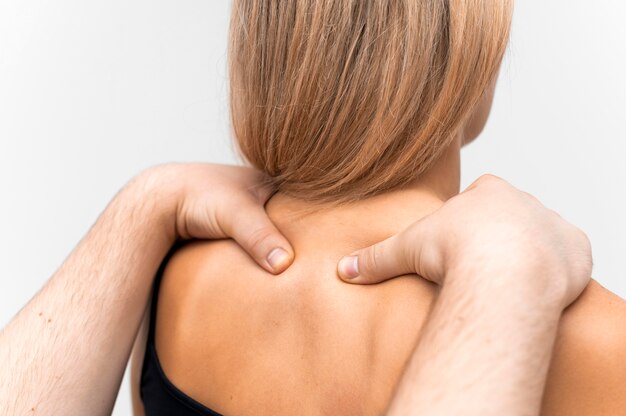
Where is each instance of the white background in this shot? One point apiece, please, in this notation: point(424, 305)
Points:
point(93, 92)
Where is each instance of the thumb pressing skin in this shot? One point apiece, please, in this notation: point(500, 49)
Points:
point(376, 263)
point(260, 238)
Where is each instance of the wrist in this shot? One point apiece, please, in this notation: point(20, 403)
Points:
point(512, 285)
point(155, 193)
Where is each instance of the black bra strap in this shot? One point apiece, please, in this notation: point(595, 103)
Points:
point(155, 288)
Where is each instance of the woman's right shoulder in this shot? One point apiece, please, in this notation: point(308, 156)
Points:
point(202, 263)
point(588, 369)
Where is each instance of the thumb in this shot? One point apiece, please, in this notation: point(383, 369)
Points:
point(377, 263)
point(259, 237)
point(408, 252)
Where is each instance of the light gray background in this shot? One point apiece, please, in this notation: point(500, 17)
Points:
point(93, 92)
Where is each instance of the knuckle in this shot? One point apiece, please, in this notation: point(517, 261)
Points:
point(530, 196)
point(370, 261)
point(555, 215)
point(579, 236)
point(406, 243)
point(256, 239)
point(487, 178)
point(582, 259)
point(489, 181)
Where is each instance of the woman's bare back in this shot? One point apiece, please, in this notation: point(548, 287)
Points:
point(242, 341)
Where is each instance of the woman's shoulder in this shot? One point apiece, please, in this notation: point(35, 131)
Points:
point(199, 308)
point(588, 370)
point(223, 323)
point(200, 269)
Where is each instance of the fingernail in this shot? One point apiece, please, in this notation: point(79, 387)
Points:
point(349, 267)
point(278, 259)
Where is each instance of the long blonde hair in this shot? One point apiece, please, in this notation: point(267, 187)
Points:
point(338, 100)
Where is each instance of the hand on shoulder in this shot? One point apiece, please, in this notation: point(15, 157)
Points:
point(491, 227)
point(212, 201)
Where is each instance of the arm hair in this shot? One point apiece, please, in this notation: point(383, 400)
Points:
point(73, 339)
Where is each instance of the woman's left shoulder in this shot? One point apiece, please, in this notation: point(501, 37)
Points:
point(588, 370)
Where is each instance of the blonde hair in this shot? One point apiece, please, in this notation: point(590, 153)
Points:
point(338, 100)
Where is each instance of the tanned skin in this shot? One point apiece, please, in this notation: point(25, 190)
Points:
point(65, 351)
point(306, 343)
point(70, 359)
point(525, 255)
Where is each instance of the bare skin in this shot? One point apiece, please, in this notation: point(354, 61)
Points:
point(500, 257)
point(269, 360)
point(90, 302)
point(66, 350)
point(61, 341)
point(306, 343)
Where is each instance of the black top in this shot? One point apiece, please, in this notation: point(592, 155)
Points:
point(160, 397)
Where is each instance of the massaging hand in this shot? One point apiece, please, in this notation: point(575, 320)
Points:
point(218, 201)
point(490, 227)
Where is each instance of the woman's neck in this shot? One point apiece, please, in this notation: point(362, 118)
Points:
point(360, 223)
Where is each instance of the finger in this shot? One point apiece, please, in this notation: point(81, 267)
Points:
point(376, 263)
point(413, 251)
point(483, 179)
point(262, 190)
point(259, 237)
point(260, 185)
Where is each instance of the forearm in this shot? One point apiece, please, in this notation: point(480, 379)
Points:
point(62, 348)
point(483, 352)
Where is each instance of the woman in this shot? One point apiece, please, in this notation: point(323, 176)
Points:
point(358, 111)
